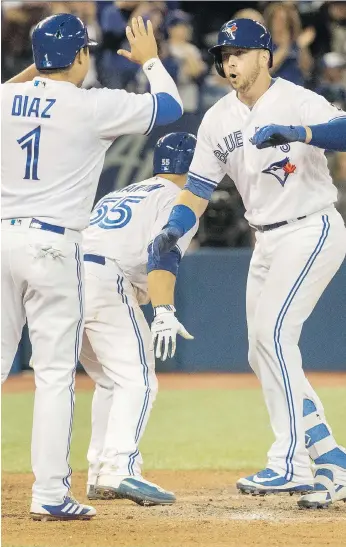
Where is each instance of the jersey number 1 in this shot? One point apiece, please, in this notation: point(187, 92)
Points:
point(31, 141)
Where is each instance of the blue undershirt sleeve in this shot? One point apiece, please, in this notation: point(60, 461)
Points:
point(200, 186)
point(165, 110)
point(331, 135)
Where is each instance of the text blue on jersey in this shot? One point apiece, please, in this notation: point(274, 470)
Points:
point(112, 213)
point(31, 141)
point(31, 106)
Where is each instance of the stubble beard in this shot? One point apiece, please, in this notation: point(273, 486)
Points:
point(250, 80)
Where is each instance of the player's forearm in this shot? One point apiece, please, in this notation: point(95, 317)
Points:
point(161, 284)
point(329, 136)
point(161, 82)
point(26, 76)
point(197, 204)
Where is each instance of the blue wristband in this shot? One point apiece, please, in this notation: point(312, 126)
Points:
point(182, 218)
point(301, 133)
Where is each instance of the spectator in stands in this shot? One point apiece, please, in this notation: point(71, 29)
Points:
point(339, 179)
point(115, 71)
point(214, 87)
point(17, 21)
point(86, 10)
point(332, 84)
point(249, 13)
point(187, 56)
point(337, 11)
point(60, 7)
point(330, 25)
point(292, 59)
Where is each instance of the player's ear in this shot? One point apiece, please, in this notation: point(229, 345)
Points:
point(81, 53)
point(264, 58)
point(78, 60)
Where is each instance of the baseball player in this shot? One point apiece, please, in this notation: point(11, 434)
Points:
point(269, 136)
point(117, 350)
point(55, 139)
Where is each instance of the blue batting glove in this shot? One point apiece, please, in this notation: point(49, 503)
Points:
point(165, 241)
point(276, 135)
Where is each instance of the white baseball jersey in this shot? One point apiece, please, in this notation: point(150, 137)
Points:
point(124, 222)
point(276, 184)
point(54, 139)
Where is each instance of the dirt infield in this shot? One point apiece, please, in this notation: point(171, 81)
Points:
point(209, 513)
point(25, 382)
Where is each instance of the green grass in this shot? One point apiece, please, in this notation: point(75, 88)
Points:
point(215, 429)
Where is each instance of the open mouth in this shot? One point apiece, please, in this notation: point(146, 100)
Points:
point(233, 76)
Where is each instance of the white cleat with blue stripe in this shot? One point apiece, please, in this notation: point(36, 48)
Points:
point(268, 481)
point(132, 488)
point(327, 490)
point(70, 509)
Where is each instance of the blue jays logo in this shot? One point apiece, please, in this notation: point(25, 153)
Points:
point(231, 30)
point(280, 170)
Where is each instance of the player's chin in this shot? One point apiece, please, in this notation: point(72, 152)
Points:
point(234, 81)
point(234, 85)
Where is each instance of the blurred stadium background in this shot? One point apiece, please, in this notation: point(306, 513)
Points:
point(311, 35)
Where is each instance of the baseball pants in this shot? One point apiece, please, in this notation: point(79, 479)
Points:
point(118, 355)
point(42, 280)
point(290, 268)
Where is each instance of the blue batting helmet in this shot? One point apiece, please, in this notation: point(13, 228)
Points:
point(241, 33)
point(173, 153)
point(57, 39)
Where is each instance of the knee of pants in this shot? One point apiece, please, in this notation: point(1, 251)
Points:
point(104, 383)
point(49, 378)
point(269, 333)
point(150, 383)
point(98, 375)
point(252, 354)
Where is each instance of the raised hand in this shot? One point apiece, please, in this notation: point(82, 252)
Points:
point(142, 42)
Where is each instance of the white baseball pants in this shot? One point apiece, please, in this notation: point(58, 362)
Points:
point(118, 355)
point(290, 268)
point(42, 280)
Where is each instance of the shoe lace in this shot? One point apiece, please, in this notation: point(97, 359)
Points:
point(71, 496)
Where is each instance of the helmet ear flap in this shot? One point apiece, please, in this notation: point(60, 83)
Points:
point(219, 66)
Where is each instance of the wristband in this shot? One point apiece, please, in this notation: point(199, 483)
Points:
point(164, 308)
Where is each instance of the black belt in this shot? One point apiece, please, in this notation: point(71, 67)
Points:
point(267, 227)
point(95, 258)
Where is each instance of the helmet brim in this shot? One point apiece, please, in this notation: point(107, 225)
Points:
point(215, 49)
point(91, 43)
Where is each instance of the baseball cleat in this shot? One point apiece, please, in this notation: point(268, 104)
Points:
point(91, 494)
point(135, 489)
point(325, 493)
point(70, 509)
point(268, 481)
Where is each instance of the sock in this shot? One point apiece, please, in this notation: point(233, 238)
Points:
point(319, 440)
